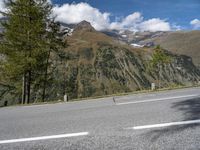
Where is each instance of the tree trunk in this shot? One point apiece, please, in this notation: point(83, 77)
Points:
point(29, 87)
point(159, 76)
point(45, 78)
point(24, 89)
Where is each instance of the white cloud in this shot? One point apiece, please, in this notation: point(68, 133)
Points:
point(75, 13)
point(136, 22)
point(176, 27)
point(195, 23)
point(154, 25)
point(130, 22)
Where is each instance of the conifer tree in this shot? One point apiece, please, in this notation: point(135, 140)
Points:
point(25, 43)
point(55, 45)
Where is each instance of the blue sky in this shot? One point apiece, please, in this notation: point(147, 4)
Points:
point(179, 12)
point(135, 15)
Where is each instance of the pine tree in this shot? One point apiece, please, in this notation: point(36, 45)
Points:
point(55, 47)
point(25, 44)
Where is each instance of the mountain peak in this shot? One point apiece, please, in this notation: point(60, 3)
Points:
point(84, 25)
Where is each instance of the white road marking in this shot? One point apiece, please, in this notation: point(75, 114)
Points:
point(165, 125)
point(44, 138)
point(159, 99)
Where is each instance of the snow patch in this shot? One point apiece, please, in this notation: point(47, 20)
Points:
point(124, 36)
point(137, 45)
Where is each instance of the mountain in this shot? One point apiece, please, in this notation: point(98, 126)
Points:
point(99, 64)
point(186, 43)
point(178, 42)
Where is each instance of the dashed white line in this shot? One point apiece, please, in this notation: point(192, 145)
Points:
point(44, 138)
point(165, 125)
point(154, 100)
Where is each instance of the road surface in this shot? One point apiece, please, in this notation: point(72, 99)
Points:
point(163, 120)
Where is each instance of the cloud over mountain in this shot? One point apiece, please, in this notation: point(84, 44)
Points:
point(75, 13)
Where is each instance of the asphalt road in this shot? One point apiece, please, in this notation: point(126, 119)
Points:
point(164, 120)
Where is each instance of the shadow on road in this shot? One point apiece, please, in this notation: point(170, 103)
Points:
point(191, 111)
point(190, 108)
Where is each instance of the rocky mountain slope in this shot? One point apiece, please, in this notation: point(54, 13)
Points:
point(100, 65)
point(186, 43)
point(178, 42)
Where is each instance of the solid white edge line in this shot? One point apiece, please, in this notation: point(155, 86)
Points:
point(165, 125)
point(43, 138)
point(160, 99)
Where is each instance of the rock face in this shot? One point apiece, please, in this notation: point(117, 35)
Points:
point(99, 65)
point(111, 69)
